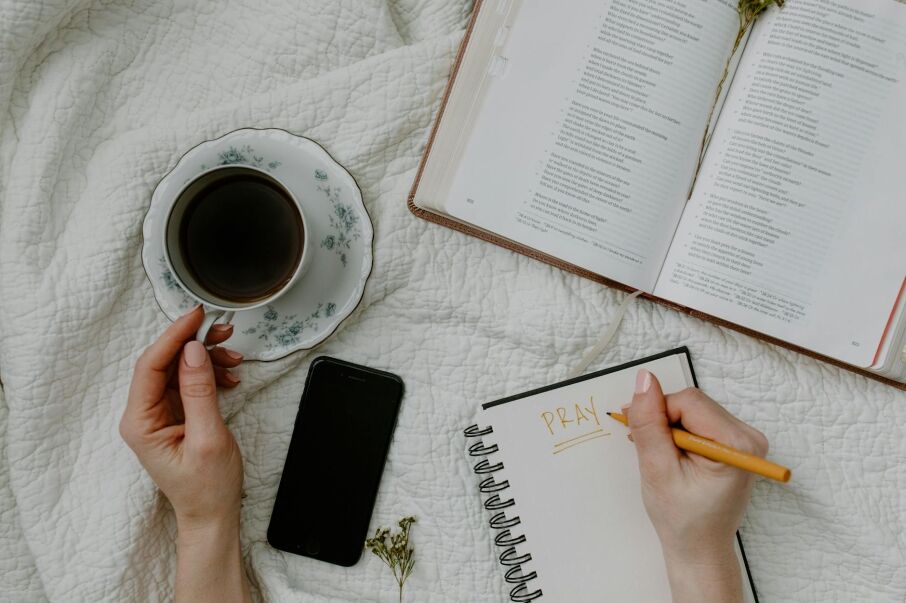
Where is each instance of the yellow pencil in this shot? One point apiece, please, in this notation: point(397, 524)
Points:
point(721, 453)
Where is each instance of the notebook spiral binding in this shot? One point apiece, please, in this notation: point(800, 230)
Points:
point(505, 539)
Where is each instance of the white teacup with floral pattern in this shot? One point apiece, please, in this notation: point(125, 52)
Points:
point(219, 305)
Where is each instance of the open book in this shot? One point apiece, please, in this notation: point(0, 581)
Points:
point(571, 132)
point(562, 487)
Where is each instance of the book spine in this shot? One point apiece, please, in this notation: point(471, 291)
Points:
point(500, 522)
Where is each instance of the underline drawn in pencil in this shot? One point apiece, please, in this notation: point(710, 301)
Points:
point(567, 444)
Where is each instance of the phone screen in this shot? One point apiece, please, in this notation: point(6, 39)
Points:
point(335, 460)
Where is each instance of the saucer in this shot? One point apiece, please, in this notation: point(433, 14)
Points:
point(340, 230)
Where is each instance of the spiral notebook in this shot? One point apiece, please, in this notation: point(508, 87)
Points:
point(561, 484)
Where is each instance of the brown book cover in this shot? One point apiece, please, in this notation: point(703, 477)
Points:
point(533, 253)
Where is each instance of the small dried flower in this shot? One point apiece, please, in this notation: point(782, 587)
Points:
point(748, 10)
point(394, 550)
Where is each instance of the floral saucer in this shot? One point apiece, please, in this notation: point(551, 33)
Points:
point(339, 226)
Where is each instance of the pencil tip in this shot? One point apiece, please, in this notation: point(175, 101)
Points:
point(610, 414)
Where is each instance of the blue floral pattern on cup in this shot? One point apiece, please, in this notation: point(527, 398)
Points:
point(244, 155)
point(184, 302)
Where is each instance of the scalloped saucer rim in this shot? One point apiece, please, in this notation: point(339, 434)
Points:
point(299, 320)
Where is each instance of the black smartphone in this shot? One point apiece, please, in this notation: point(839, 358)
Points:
point(335, 460)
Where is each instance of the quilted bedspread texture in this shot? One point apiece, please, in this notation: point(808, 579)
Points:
point(98, 100)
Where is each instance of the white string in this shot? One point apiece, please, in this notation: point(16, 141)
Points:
point(605, 339)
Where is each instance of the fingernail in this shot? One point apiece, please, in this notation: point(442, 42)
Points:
point(195, 354)
point(232, 378)
point(193, 310)
point(625, 408)
point(232, 354)
point(222, 328)
point(642, 381)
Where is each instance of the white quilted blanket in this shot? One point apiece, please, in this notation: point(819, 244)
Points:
point(98, 99)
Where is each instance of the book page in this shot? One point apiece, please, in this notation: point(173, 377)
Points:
point(574, 477)
point(589, 130)
point(795, 228)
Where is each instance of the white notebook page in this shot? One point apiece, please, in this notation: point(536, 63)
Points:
point(576, 486)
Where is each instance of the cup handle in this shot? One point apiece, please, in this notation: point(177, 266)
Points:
point(209, 319)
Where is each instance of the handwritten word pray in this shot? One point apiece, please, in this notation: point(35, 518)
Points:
point(564, 416)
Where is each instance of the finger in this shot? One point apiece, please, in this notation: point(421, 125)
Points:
point(224, 357)
point(225, 378)
point(220, 357)
point(651, 429)
point(151, 370)
point(198, 390)
point(218, 334)
point(702, 416)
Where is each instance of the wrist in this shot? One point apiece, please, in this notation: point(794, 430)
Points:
point(218, 520)
point(209, 561)
point(710, 575)
point(192, 531)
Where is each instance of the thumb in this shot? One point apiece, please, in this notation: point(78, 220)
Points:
point(198, 391)
point(650, 428)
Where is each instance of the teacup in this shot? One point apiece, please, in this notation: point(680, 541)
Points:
point(235, 239)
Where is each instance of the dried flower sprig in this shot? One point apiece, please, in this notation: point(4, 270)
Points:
point(394, 550)
point(749, 11)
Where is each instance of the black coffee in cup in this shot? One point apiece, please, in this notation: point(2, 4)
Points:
point(241, 236)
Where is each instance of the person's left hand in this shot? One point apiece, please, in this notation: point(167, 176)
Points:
point(172, 421)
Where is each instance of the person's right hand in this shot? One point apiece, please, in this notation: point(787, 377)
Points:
point(695, 504)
